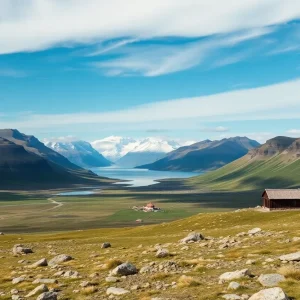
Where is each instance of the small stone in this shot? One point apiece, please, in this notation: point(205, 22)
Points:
point(45, 281)
point(291, 257)
point(234, 275)
point(231, 297)
point(270, 294)
point(41, 263)
point(124, 269)
point(106, 245)
point(254, 231)
point(39, 289)
point(112, 279)
point(194, 237)
point(18, 280)
point(233, 285)
point(270, 280)
point(161, 253)
point(47, 296)
point(20, 249)
point(59, 259)
point(116, 291)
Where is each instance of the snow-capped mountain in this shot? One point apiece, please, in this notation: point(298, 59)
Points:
point(150, 149)
point(115, 147)
point(80, 153)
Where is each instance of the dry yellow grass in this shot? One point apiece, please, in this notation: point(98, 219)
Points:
point(89, 290)
point(112, 263)
point(187, 281)
point(290, 272)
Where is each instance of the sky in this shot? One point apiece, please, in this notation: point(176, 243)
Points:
point(187, 70)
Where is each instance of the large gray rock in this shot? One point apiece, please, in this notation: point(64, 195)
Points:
point(270, 280)
point(233, 286)
point(38, 290)
point(18, 279)
point(116, 291)
point(47, 296)
point(228, 276)
point(20, 249)
point(124, 269)
point(270, 294)
point(192, 237)
point(59, 259)
point(291, 257)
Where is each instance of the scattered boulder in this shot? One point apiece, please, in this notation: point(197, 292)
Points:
point(231, 297)
point(192, 237)
point(234, 275)
point(1, 233)
point(291, 257)
point(254, 231)
point(45, 281)
point(41, 263)
point(106, 245)
point(39, 289)
point(47, 296)
point(116, 291)
point(270, 294)
point(59, 259)
point(71, 274)
point(233, 285)
point(124, 270)
point(161, 253)
point(270, 280)
point(112, 279)
point(20, 250)
point(18, 280)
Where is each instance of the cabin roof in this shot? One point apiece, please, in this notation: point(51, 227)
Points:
point(282, 194)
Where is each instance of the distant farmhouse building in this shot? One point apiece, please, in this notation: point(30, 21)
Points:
point(279, 199)
point(150, 207)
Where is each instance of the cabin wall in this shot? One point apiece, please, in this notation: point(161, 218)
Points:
point(285, 204)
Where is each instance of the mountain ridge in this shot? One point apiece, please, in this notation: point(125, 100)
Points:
point(204, 155)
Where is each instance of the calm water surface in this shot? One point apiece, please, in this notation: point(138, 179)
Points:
point(140, 177)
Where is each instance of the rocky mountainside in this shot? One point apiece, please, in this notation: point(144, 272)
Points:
point(240, 255)
point(205, 155)
point(26, 163)
point(80, 153)
point(33, 145)
point(276, 164)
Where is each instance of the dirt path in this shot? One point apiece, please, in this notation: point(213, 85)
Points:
point(58, 204)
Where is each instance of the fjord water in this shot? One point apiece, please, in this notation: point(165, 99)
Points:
point(140, 177)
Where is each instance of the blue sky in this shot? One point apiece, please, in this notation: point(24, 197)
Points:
point(181, 69)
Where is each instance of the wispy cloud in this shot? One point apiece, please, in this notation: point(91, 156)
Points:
point(215, 129)
point(41, 24)
point(157, 59)
point(294, 132)
point(278, 101)
point(7, 72)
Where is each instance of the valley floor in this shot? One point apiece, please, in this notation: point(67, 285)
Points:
point(42, 211)
point(229, 247)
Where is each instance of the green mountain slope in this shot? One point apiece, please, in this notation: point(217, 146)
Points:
point(205, 155)
point(275, 164)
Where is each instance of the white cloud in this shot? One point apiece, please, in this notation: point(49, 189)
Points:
point(215, 129)
point(30, 25)
point(278, 101)
point(154, 60)
point(294, 132)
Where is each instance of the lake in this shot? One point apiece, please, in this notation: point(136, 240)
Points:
point(140, 177)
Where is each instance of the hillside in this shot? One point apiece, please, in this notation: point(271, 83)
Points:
point(205, 155)
point(26, 163)
point(198, 269)
point(33, 145)
point(80, 153)
point(276, 164)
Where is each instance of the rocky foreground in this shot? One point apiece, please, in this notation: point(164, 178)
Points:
point(212, 256)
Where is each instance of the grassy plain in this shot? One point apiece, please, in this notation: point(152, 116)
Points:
point(135, 244)
point(41, 211)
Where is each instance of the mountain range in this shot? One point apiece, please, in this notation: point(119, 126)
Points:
point(25, 161)
point(204, 156)
point(80, 153)
point(128, 152)
point(276, 164)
